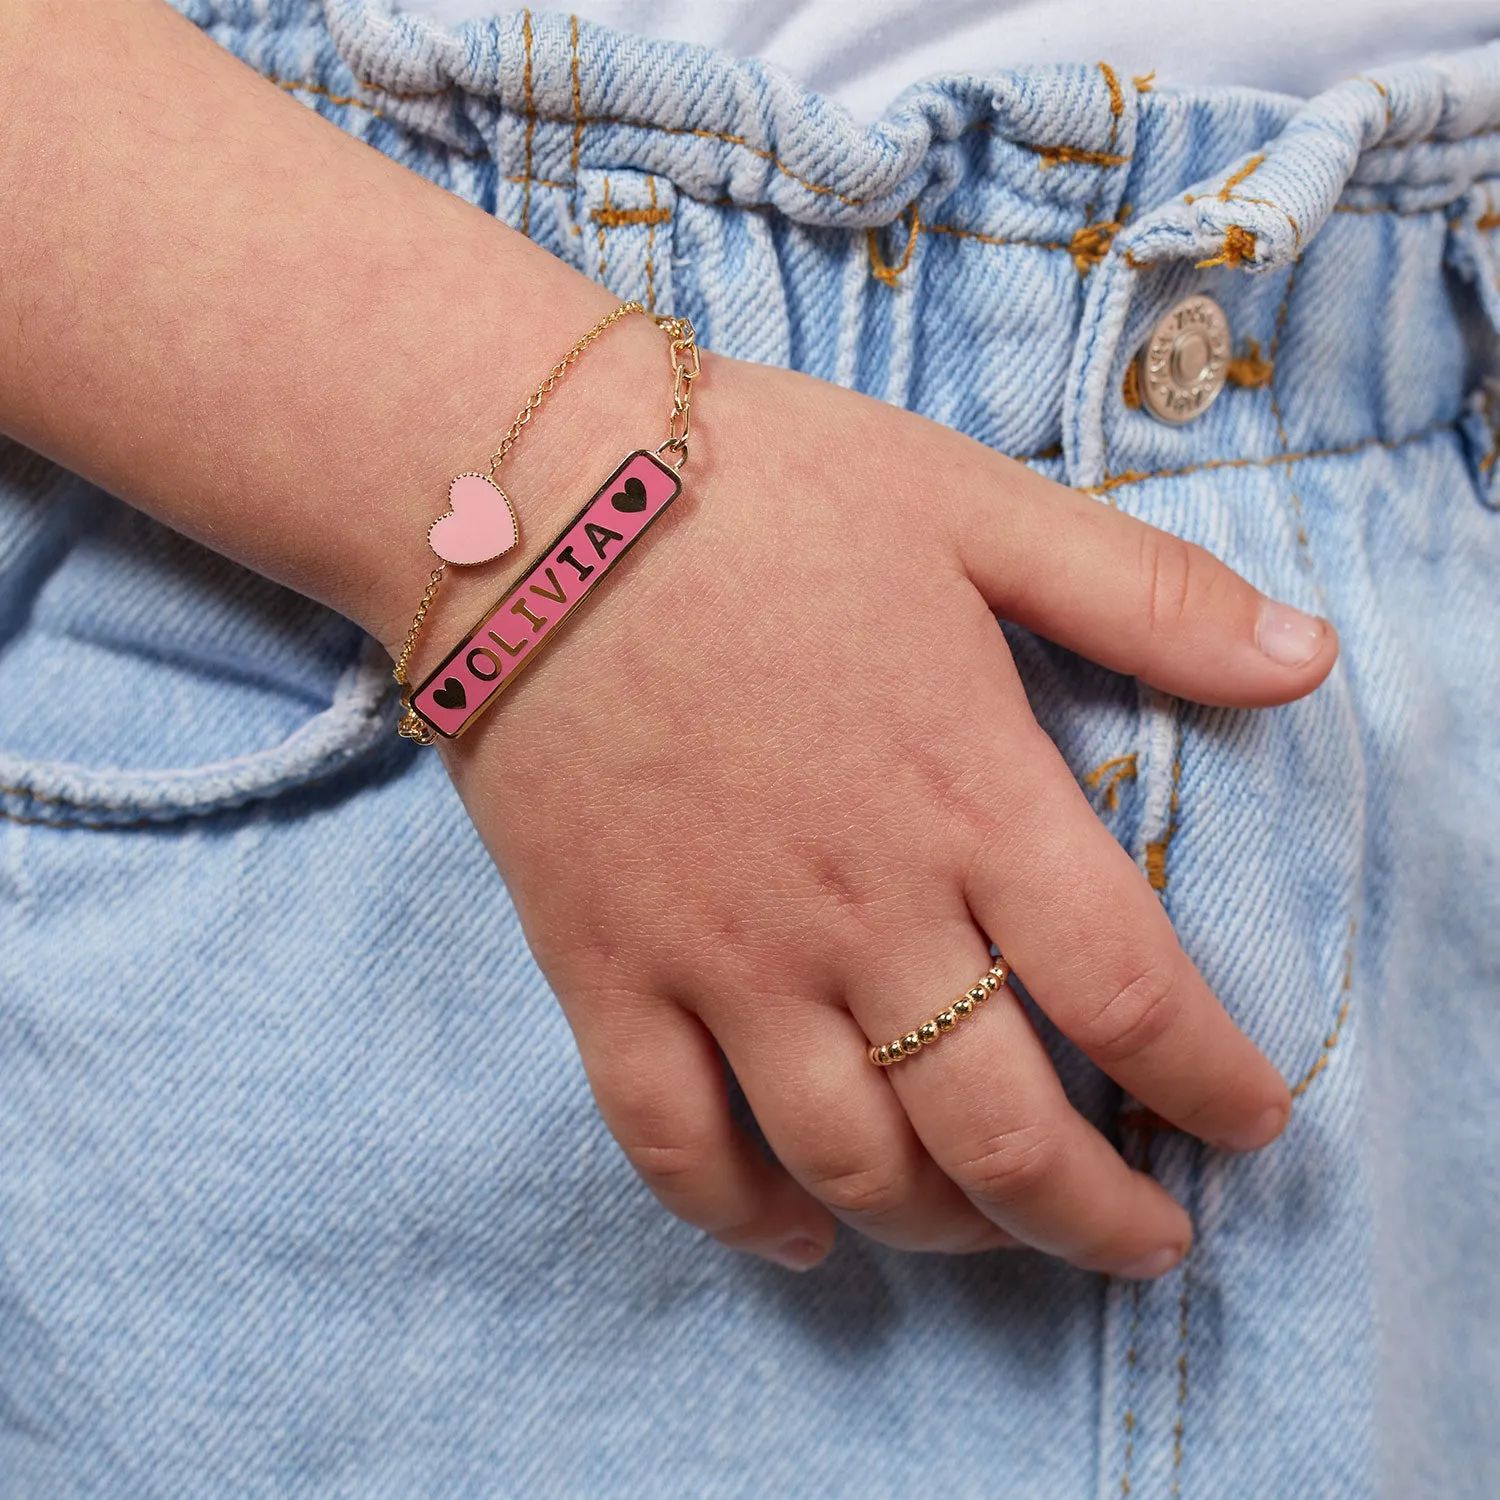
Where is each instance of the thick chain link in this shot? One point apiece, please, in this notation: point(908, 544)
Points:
point(686, 368)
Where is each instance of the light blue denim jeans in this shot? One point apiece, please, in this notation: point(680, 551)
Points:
point(277, 1221)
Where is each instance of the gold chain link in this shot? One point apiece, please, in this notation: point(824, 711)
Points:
point(410, 643)
point(685, 370)
point(624, 310)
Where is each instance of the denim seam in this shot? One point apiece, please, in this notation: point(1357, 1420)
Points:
point(1179, 1426)
point(613, 218)
point(1087, 245)
point(1140, 1119)
point(1144, 1125)
point(1390, 208)
point(167, 815)
point(1132, 1360)
point(1385, 95)
point(166, 818)
point(80, 823)
point(48, 800)
point(1158, 872)
point(577, 100)
point(1116, 109)
point(651, 224)
point(1156, 854)
point(530, 122)
point(1138, 1126)
point(1056, 156)
point(541, 182)
point(1227, 193)
point(1097, 324)
point(711, 135)
point(337, 738)
point(1346, 993)
point(1343, 450)
point(297, 85)
point(601, 225)
point(1304, 547)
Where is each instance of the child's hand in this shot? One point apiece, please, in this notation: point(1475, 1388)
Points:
point(779, 782)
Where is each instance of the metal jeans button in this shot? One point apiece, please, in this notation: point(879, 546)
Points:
point(1182, 365)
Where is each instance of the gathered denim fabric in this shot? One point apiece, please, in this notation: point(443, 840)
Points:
point(296, 1201)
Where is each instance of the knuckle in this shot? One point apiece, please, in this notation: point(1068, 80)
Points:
point(669, 1168)
point(1010, 1165)
point(681, 1176)
point(870, 1193)
point(1136, 1014)
point(1170, 570)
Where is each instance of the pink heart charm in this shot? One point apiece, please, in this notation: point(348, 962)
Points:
point(480, 523)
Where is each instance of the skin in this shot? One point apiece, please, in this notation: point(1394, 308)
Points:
point(802, 781)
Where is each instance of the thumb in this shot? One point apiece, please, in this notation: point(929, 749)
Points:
point(1134, 598)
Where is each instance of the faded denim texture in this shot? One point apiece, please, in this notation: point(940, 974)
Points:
point(277, 1220)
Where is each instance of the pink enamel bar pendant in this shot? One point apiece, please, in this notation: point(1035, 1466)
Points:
point(529, 613)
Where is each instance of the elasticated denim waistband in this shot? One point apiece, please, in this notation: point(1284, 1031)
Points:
point(628, 157)
point(539, 95)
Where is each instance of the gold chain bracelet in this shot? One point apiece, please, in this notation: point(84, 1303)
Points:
point(480, 525)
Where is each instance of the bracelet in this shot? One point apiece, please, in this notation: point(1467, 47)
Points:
point(480, 525)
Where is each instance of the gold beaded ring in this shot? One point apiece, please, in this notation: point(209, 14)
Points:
point(945, 1020)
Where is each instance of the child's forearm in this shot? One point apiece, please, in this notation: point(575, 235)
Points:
point(225, 310)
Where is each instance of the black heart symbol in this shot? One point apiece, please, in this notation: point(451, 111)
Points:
point(450, 695)
point(634, 497)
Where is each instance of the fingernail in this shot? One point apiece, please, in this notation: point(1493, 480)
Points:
point(1288, 636)
point(1158, 1263)
point(798, 1254)
point(1262, 1133)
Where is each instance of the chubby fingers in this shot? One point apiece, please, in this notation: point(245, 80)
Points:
point(659, 1082)
point(842, 1133)
point(988, 1105)
point(1096, 950)
point(1130, 596)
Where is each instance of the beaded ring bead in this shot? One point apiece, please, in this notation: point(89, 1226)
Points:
point(945, 1020)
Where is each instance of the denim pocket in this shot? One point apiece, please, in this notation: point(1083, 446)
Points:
point(149, 679)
